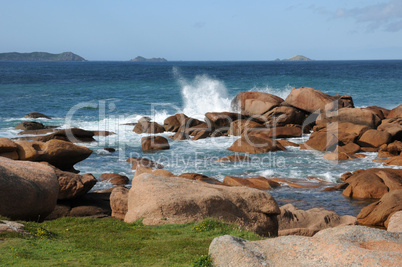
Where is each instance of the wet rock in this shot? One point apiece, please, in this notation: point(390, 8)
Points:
point(277, 132)
point(145, 162)
point(240, 126)
point(150, 143)
point(221, 120)
point(255, 103)
point(115, 179)
point(255, 145)
point(167, 200)
point(177, 121)
point(261, 183)
point(144, 125)
point(283, 115)
point(30, 125)
point(159, 172)
point(36, 115)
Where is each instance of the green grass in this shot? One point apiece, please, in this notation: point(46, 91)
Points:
point(109, 242)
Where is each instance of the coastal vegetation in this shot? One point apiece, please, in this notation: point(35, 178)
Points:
point(91, 241)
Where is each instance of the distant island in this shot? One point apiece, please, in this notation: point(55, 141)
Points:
point(40, 56)
point(143, 59)
point(296, 58)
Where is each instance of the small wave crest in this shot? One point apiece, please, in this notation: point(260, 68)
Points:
point(203, 94)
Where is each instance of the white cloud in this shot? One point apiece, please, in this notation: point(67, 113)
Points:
point(386, 16)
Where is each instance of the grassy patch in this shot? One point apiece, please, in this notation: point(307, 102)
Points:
point(86, 241)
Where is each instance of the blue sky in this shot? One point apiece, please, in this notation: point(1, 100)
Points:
point(204, 30)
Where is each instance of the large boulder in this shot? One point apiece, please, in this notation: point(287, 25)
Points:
point(119, 202)
point(36, 115)
point(379, 213)
point(395, 222)
point(114, 178)
point(322, 141)
point(362, 116)
point(8, 149)
point(374, 138)
point(167, 200)
point(392, 126)
point(395, 113)
point(255, 103)
point(283, 115)
point(30, 125)
point(255, 145)
point(221, 120)
point(72, 185)
point(144, 125)
point(150, 143)
point(292, 220)
point(177, 121)
point(276, 132)
point(373, 183)
point(28, 190)
point(340, 246)
point(311, 100)
point(75, 135)
point(240, 126)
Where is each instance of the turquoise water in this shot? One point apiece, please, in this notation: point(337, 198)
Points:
point(108, 95)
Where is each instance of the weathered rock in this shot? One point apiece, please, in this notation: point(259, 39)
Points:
point(37, 132)
point(277, 132)
point(395, 222)
point(143, 162)
point(72, 185)
point(221, 120)
point(322, 141)
point(338, 156)
point(9, 226)
point(283, 115)
point(234, 158)
point(119, 202)
point(61, 154)
point(30, 125)
point(177, 121)
point(144, 125)
point(254, 145)
point(28, 190)
point(379, 213)
point(103, 133)
point(166, 200)
point(8, 149)
point(149, 143)
point(374, 138)
point(315, 219)
point(345, 101)
point(360, 116)
point(337, 187)
point(36, 115)
point(340, 246)
point(392, 126)
point(94, 205)
point(261, 183)
point(311, 100)
point(74, 135)
point(373, 183)
point(255, 103)
point(349, 148)
point(397, 161)
point(338, 127)
point(285, 143)
point(202, 134)
point(395, 113)
point(380, 111)
point(239, 126)
point(114, 178)
point(200, 177)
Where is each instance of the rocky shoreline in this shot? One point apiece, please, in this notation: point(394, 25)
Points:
point(38, 180)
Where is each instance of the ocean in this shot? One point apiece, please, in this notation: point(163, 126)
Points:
point(113, 95)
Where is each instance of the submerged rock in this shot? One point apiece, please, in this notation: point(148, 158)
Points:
point(36, 115)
